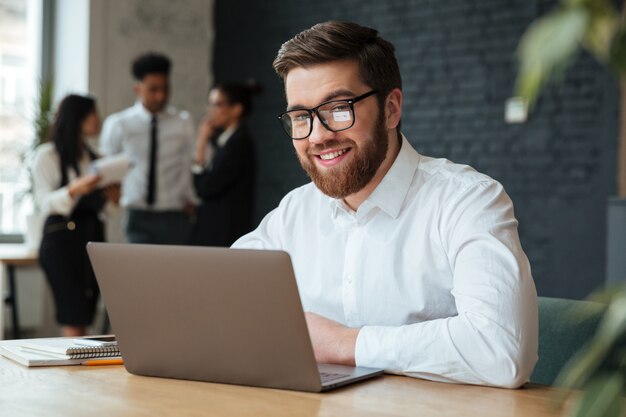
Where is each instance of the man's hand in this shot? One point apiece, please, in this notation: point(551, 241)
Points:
point(205, 131)
point(190, 209)
point(332, 342)
point(112, 192)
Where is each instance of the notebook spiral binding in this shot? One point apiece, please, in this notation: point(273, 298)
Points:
point(93, 352)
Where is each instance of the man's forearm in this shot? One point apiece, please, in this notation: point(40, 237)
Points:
point(332, 342)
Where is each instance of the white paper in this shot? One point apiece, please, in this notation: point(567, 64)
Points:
point(111, 168)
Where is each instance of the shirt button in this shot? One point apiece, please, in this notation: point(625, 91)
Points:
point(349, 279)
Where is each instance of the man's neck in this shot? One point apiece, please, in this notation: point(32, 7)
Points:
point(355, 200)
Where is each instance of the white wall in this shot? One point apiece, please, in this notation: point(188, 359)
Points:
point(122, 29)
point(96, 40)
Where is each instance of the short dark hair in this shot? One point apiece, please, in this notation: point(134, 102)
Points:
point(335, 41)
point(240, 93)
point(150, 63)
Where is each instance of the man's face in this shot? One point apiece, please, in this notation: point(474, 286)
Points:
point(153, 91)
point(339, 163)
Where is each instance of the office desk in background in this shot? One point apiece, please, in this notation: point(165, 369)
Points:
point(12, 257)
point(111, 391)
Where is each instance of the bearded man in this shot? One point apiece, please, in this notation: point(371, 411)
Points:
point(403, 262)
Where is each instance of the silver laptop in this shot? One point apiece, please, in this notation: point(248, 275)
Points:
point(212, 314)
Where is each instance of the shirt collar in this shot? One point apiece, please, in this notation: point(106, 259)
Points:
point(222, 139)
point(146, 115)
point(390, 194)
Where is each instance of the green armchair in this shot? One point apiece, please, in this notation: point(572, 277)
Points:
point(564, 327)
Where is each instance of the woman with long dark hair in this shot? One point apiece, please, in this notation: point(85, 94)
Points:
point(70, 199)
point(225, 164)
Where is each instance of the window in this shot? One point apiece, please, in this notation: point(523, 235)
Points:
point(20, 34)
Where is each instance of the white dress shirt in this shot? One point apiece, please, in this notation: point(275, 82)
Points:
point(50, 197)
point(129, 131)
point(430, 267)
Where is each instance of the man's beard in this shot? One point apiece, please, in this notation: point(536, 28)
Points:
point(349, 177)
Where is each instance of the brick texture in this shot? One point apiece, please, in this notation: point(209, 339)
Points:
point(457, 60)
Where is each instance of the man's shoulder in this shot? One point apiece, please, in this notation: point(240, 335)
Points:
point(176, 113)
point(307, 197)
point(303, 194)
point(441, 172)
point(121, 115)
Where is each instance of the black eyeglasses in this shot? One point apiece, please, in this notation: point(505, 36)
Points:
point(335, 115)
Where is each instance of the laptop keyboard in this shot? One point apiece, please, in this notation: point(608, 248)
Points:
point(330, 377)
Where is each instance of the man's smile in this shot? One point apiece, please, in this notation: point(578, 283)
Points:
point(332, 156)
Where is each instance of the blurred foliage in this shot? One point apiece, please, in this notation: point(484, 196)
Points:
point(43, 111)
point(552, 42)
point(599, 368)
point(546, 49)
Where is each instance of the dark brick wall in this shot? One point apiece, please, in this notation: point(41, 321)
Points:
point(458, 67)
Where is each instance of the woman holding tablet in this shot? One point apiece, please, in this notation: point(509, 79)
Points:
point(69, 198)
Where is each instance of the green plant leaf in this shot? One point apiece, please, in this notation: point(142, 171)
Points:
point(43, 111)
point(613, 323)
point(609, 293)
point(529, 82)
point(581, 367)
point(600, 34)
point(548, 46)
point(618, 52)
point(602, 397)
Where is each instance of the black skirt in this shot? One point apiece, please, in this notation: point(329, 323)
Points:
point(63, 257)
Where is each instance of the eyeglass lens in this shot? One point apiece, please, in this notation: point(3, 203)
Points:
point(336, 116)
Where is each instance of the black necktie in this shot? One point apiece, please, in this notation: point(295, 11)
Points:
point(153, 162)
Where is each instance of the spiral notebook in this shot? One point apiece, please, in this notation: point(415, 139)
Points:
point(51, 352)
point(63, 348)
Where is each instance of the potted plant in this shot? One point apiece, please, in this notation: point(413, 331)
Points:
point(545, 50)
point(43, 111)
point(41, 124)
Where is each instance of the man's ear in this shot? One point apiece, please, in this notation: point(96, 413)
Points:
point(137, 88)
point(393, 108)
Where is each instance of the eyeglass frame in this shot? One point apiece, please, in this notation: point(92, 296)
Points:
point(314, 110)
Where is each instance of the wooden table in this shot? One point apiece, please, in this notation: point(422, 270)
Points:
point(111, 391)
point(11, 257)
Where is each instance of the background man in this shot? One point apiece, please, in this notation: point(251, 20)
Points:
point(160, 141)
point(403, 262)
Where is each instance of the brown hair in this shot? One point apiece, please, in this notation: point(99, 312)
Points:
point(334, 41)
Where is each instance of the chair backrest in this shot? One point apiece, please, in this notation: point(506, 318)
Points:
point(564, 327)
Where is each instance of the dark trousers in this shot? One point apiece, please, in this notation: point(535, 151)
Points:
point(158, 227)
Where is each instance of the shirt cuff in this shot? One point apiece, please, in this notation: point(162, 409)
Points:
point(375, 348)
point(197, 168)
point(61, 202)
